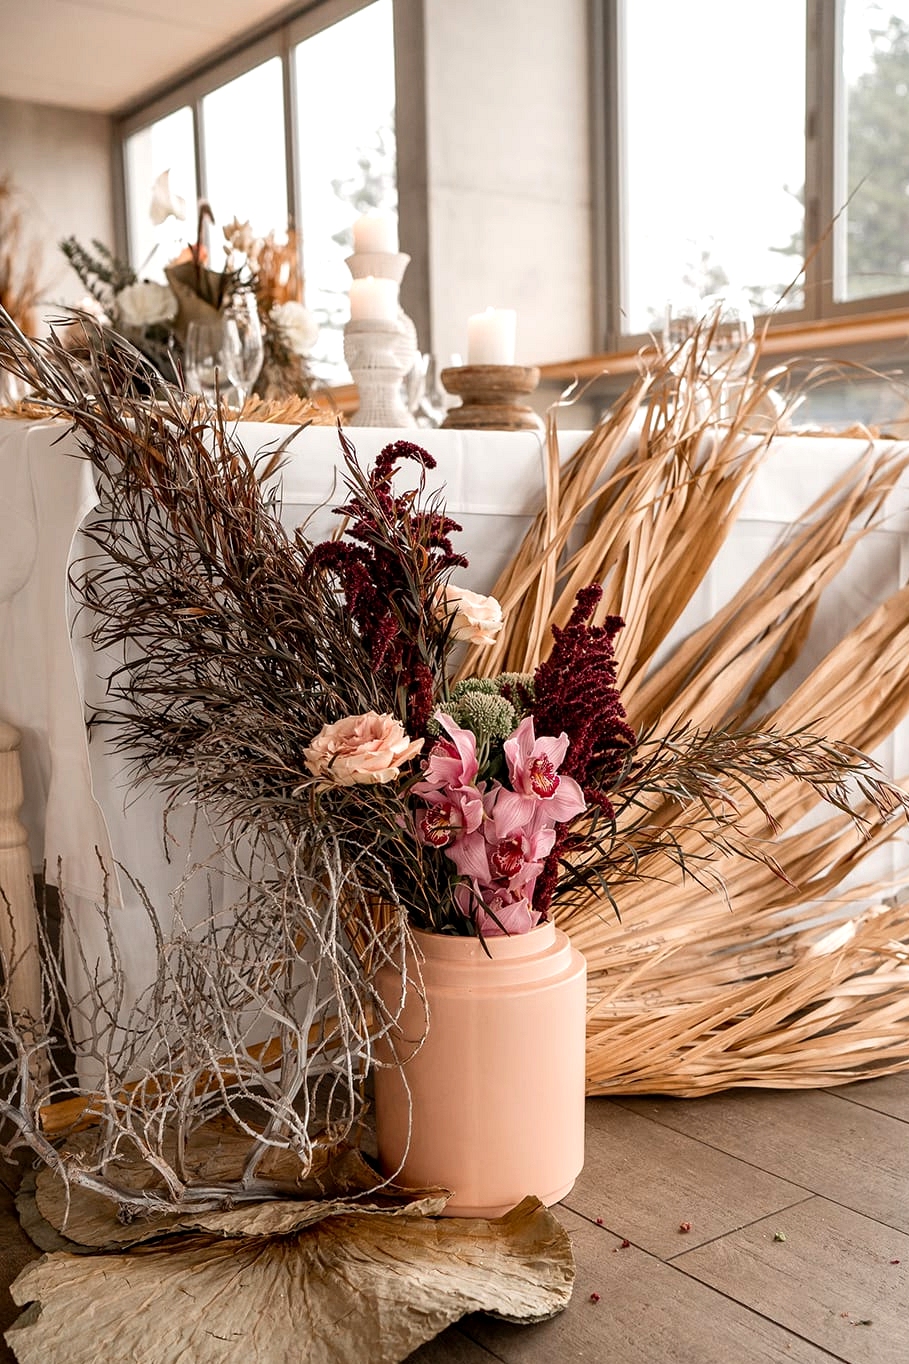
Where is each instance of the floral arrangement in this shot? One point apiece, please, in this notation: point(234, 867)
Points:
point(509, 765)
point(507, 789)
point(154, 316)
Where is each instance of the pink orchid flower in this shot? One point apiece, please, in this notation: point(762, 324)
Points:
point(541, 795)
point(448, 816)
point(470, 855)
point(499, 914)
point(452, 762)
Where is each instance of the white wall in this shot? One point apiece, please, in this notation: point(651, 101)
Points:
point(509, 194)
point(60, 162)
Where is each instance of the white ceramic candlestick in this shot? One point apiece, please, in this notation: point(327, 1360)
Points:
point(379, 355)
point(380, 340)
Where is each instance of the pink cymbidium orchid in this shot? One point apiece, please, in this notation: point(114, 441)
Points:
point(448, 815)
point(499, 857)
point(541, 796)
point(498, 839)
point(452, 763)
point(498, 914)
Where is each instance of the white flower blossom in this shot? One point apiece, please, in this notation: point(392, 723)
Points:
point(295, 325)
point(145, 303)
point(164, 203)
point(475, 619)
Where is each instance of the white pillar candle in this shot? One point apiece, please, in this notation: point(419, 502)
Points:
point(373, 300)
point(491, 337)
point(376, 232)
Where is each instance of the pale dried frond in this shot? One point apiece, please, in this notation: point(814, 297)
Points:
point(368, 1286)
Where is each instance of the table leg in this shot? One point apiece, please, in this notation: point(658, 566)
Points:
point(18, 913)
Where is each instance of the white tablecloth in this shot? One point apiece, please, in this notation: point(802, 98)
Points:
point(79, 805)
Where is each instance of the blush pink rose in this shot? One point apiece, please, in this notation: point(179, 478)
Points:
point(360, 750)
point(475, 619)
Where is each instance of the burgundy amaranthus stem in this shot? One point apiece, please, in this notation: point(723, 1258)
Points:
point(391, 566)
point(576, 693)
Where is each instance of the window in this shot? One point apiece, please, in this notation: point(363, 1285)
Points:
point(348, 165)
point(227, 135)
point(872, 150)
point(164, 145)
point(243, 142)
point(762, 146)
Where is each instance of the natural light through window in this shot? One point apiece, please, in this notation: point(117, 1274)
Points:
point(166, 145)
point(713, 153)
point(345, 99)
point(243, 137)
point(872, 181)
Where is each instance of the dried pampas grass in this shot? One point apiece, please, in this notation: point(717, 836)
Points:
point(20, 264)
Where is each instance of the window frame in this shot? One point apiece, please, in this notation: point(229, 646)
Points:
point(823, 114)
point(247, 52)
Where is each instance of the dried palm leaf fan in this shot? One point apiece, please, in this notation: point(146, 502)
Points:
point(696, 990)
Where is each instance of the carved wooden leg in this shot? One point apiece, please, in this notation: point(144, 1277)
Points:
point(18, 913)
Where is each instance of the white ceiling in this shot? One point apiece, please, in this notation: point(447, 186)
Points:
point(102, 54)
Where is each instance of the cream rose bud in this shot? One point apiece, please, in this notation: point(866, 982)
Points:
point(476, 619)
point(296, 325)
point(361, 750)
point(143, 304)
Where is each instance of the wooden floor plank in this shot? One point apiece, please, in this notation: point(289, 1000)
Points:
point(451, 1347)
point(644, 1181)
point(844, 1151)
point(832, 1278)
point(647, 1313)
point(889, 1094)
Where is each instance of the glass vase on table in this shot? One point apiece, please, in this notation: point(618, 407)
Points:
point(213, 361)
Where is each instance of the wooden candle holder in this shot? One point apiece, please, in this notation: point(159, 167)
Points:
point(489, 397)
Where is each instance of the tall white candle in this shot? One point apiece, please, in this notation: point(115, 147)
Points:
point(491, 337)
point(376, 231)
point(373, 300)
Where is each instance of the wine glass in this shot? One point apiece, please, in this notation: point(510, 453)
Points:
point(212, 358)
point(243, 310)
point(683, 313)
point(729, 330)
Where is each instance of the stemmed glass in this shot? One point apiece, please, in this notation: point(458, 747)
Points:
point(212, 358)
point(244, 312)
point(683, 313)
point(729, 325)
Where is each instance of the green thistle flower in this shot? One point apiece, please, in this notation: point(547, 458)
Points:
point(486, 685)
point(489, 715)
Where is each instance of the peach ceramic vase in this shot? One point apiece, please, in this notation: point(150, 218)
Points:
point(496, 1104)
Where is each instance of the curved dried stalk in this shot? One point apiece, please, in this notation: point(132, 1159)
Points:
point(722, 977)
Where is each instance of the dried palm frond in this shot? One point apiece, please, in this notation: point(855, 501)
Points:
point(293, 411)
point(722, 976)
